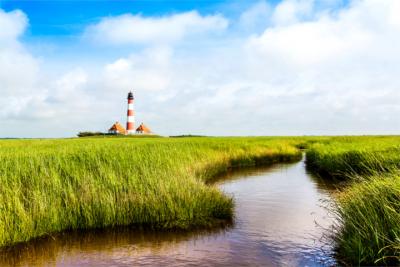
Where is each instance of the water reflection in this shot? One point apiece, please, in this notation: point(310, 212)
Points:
point(280, 221)
point(122, 246)
point(282, 212)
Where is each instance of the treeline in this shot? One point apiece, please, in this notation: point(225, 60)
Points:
point(85, 134)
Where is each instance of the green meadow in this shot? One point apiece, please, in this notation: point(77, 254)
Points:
point(49, 186)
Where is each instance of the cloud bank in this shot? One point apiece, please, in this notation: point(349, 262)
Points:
point(136, 29)
point(296, 68)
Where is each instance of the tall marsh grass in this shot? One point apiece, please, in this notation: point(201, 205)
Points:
point(54, 185)
point(48, 186)
point(369, 205)
point(369, 213)
point(346, 157)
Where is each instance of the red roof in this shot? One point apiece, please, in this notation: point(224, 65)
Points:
point(117, 127)
point(143, 129)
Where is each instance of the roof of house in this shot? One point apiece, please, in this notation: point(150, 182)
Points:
point(117, 127)
point(143, 128)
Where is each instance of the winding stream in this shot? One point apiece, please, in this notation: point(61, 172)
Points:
point(281, 220)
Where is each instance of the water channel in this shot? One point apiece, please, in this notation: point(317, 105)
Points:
point(280, 220)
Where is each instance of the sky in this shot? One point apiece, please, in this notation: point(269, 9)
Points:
point(238, 67)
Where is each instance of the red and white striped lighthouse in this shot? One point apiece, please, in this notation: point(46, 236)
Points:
point(130, 123)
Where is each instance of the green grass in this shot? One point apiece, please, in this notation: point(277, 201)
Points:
point(369, 214)
point(49, 186)
point(368, 232)
point(347, 157)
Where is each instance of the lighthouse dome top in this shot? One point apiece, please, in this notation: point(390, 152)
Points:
point(130, 95)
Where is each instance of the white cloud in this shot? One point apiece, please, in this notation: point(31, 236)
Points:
point(346, 60)
point(292, 11)
point(70, 85)
point(136, 29)
point(12, 25)
point(19, 69)
point(358, 40)
point(148, 70)
point(255, 17)
point(30, 96)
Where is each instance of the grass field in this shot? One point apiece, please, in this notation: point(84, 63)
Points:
point(49, 186)
point(345, 157)
point(369, 205)
point(53, 185)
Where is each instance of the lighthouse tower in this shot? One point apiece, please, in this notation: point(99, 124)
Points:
point(130, 123)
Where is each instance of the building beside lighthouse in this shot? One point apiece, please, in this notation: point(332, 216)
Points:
point(118, 129)
point(143, 129)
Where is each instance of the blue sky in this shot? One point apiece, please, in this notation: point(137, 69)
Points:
point(55, 26)
point(60, 17)
point(284, 67)
point(69, 17)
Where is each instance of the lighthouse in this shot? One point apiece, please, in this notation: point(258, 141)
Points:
point(130, 123)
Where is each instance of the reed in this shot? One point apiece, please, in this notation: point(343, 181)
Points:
point(368, 208)
point(369, 215)
point(48, 186)
point(349, 157)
